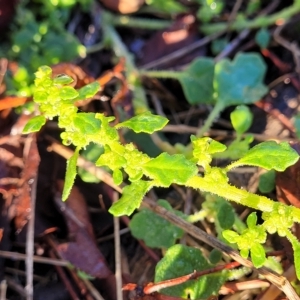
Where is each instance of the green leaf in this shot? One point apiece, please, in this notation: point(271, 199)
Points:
point(89, 90)
point(117, 177)
point(70, 174)
point(296, 248)
point(86, 123)
point(62, 79)
point(131, 198)
point(230, 236)
point(68, 93)
point(241, 119)
point(269, 155)
point(204, 148)
point(215, 256)
point(252, 220)
point(258, 255)
point(240, 81)
point(226, 215)
point(262, 38)
point(34, 124)
point(145, 122)
point(181, 260)
point(167, 169)
point(267, 182)
point(147, 225)
point(197, 81)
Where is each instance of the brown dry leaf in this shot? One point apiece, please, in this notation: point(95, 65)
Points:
point(82, 251)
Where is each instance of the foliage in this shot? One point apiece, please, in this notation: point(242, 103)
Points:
point(38, 36)
point(180, 259)
point(55, 98)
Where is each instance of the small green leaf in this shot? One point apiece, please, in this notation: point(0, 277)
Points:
point(226, 215)
point(145, 122)
point(258, 255)
point(252, 220)
point(197, 81)
point(230, 236)
point(62, 79)
point(181, 260)
point(204, 148)
point(86, 123)
point(215, 256)
point(269, 155)
point(240, 81)
point(70, 174)
point(34, 124)
point(89, 90)
point(241, 119)
point(68, 93)
point(147, 225)
point(167, 169)
point(117, 177)
point(267, 182)
point(131, 198)
point(262, 38)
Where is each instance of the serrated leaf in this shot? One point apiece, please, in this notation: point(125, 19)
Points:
point(167, 169)
point(197, 81)
point(145, 122)
point(204, 148)
point(296, 248)
point(262, 38)
point(181, 260)
point(226, 215)
point(62, 79)
point(241, 119)
point(89, 91)
point(269, 155)
point(34, 124)
point(70, 174)
point(67, 93)
point(86, 123)
point(131, 198)
point(147, 225)
point(258, 255)
point(240, 81)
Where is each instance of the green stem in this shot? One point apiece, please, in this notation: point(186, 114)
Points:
point(239, 196)
point(209, 121)
point(132, 74)
point(260, 21)
point(161, 74)
point(143, 23)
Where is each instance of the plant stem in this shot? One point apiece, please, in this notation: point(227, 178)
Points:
point(209, 121)
point(261, 21)
point(132, 74)
point(161, 74)
point(143, 23)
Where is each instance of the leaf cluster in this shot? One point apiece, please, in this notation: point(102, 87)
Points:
point(57, 98)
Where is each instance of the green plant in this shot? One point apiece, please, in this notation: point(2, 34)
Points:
point(56, 98)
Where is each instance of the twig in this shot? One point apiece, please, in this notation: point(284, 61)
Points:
point(95, 293)
point(36, 259)
point(181, 52)
point(30, 226)
point(3, 289)
point(118, 271)
point(281, 282)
